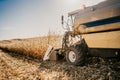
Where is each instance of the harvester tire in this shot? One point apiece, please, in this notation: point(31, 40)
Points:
point(76, 55)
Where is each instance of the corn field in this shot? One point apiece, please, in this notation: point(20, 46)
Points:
point(14, 66)
point(35, 47)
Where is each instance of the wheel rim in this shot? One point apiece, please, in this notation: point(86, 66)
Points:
point(72, 56)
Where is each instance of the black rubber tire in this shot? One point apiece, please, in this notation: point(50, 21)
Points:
point(80, 53)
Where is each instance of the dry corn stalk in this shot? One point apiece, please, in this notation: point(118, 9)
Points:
point(35, 47)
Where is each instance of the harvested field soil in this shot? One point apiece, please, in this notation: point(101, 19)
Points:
point(19, 67)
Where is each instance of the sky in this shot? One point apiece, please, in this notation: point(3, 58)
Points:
point(35, 18)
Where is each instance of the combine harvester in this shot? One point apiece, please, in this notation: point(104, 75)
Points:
point(96, 32)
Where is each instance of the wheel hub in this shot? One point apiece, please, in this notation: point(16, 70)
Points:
point(72, 56)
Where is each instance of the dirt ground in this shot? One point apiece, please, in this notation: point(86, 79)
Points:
point(18, 67)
